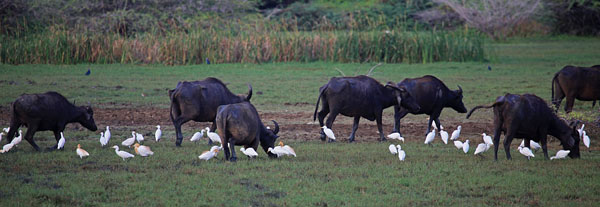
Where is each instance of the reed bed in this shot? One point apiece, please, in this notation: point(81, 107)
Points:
point(246, 44)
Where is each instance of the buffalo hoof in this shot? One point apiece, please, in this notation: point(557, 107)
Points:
point(331, 140)
point(382, 139)
point(233, 159)
point(323, 136)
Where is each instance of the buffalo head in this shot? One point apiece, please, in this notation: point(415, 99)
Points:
point(86, 119)
point(268, 138)
point(403, 97)
point(570, 140)
point(456, 101)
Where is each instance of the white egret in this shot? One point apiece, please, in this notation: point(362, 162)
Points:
point(122, 154)
point(6, 129)
point(444, 136)
point(328, 132)
point(129, 141)
point(213, 136)
point(18, 139)
point(1, 134)
point(290, 151)
point(103, 139)
point(527, 152)
point(401, 155)
point(430, 136)
point(458, 144)
point(7, 147)
point(560, 154)
point(107, 134)
point(466, 146)
point(456, 133)
point(395, 135)
point(157, 133)
point(250, 152)
point(61, 141)
point(487, 139)
point(393, 149)
point(139, 137)
point(481, 148)
point(279, 151)
point(197, 136)
point(207, 155)
point(532, 144)
point(580, 130)
point(81, 152)
point(586, 140)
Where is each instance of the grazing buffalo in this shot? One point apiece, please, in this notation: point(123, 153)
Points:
point(48, 111)
point(360, 96)
point(529, 117)
point(198, 101)
point(579, 83)
point(433, 96)
point(239, 124)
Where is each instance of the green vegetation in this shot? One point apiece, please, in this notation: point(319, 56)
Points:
point(323, 174)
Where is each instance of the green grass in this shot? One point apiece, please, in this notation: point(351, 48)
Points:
point(361, 174)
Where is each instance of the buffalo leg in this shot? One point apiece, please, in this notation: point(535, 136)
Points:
point(399, 113)
point(570, 102)
point(232, 149)
point(354, 128)
point(226, 149)
point(29, 135)
point(379, 125)
point(438, 124)
point(330, 120)
point(544, 142)
point(321, 116)
point(510, 134)
point(14, 127)
point(57, 137)
point(496, 141)
point(177, 122)
point(433, 117)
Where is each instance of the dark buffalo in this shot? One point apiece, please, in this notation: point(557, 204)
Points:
point(529, 117)
point(360, 96)
point(48, 111)
point(433, 96)
point(579, 83)
point(198, 101)
point(239, 124)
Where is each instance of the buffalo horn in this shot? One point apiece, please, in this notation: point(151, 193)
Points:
point(459, 88)
point(276, 130)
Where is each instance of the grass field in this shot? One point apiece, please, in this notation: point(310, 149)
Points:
point(323, 174)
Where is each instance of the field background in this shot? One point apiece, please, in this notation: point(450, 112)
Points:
point(323, 174)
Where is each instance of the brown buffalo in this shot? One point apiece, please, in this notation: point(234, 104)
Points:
point(579, 83)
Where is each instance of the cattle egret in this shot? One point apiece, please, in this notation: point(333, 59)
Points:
point(487, 139)
point(279, 151)
point(444, 136)
point(18, 139)
point(216, 147)
point(401, 155)
point(393, 149)
point(328, 132)
point(6, 129)
point(122, 154)
point(1, 134)
point(197, 136)
point(107, 134)
point(103, 139)
point(213, 136)
point(395, 135)
point(456, 133)
point(532, 143)
point(580, 130)
point(7, 147)
point(586, 140)
point(142, 150)
point(139, 137)
point(466, 146)
point(458, 144)
point(128, 142)
point(290, 151)
point(560, 154)
point(207, 155)
point(61, 141)
point(527, 152)
point(434, 126)
point(250, 152)
point(430, 137)
point(81, 152)
point(157, 133)
point(481, 148)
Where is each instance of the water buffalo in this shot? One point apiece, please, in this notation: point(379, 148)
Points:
point(198, 101)
point(360, 96)
point(48, 111)
point(579, 83)
point(529, 117)
point(433, 96)
point(239, 124)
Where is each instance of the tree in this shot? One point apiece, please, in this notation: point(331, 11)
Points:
point(496, 18)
